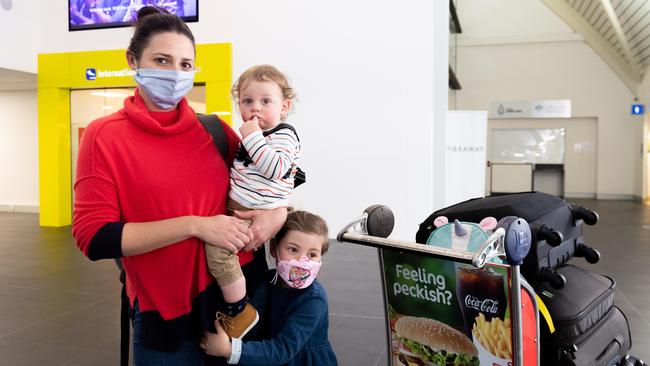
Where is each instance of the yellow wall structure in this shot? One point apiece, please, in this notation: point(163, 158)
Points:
point(58, 73)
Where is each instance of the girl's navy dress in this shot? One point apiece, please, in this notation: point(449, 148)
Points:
point(294, 327)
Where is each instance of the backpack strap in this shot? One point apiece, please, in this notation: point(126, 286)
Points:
point(125, 314)
point(279, 127)
point(213, 125)
point(125, 327)
point(301, 176)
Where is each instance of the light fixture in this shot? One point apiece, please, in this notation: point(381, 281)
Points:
point(6, 4)
point(109, 94)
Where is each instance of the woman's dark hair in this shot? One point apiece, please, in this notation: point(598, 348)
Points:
point(151, 21)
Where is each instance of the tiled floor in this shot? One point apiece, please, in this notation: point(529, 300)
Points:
point(58, 308)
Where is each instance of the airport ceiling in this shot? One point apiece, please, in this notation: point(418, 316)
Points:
point(618, 30)
point(17, 80)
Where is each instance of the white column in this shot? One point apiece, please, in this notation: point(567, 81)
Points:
point(440, 98)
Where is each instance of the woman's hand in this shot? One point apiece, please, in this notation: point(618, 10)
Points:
point(216, 344)
point(224, 231)
point(266, 223)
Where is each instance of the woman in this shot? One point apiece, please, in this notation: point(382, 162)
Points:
point(151, 188)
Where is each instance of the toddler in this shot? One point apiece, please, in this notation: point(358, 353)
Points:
point(263, 176)
point(297, 329)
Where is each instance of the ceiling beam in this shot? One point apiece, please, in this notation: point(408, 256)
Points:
point(613, 19)
point(628, 73)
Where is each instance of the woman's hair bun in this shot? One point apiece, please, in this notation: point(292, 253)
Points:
point(149, 10)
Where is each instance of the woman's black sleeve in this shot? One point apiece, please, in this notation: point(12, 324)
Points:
point(107, 242)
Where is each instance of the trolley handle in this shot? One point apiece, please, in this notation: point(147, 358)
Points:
point(510, 241)
point(493, 247)
point(376, 220)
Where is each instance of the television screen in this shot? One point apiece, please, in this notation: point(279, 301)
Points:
point(95, 14)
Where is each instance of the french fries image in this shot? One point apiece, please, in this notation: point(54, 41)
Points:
point(495, 335)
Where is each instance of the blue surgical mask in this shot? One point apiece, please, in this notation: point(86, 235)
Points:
point(165, 87)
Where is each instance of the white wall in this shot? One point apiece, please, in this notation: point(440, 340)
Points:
point(20, 28)
point(465, 155)
point(508, 18)
point(550, 65)
point(18, 151)
point(363, 73)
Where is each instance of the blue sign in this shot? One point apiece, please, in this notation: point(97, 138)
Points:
point(637, 109)
point(91, 74)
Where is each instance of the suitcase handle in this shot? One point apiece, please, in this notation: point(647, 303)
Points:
point(611, 351)
point(556, 280)
point(542, 232)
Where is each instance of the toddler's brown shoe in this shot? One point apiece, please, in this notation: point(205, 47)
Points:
point(239, 325)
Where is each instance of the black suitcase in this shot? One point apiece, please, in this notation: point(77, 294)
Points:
point(589, 329)
point(577, 307)
point(605, 344)
point(556, 226)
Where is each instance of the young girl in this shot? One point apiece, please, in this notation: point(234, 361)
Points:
point(262, 177)
point(297, 304)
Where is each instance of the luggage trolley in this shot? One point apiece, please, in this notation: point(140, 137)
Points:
point(452, 307)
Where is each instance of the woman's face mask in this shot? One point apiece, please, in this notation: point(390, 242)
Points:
point(165, 88)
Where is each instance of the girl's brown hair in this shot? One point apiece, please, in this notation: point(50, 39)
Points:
point(305, 222)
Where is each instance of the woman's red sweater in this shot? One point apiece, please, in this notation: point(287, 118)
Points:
point(141, 166)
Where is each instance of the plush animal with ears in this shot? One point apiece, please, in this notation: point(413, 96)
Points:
point(467, 236)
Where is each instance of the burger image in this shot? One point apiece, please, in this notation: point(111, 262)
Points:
point(428, 342)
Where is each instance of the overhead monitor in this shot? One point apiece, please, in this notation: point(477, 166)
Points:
point(97, 14)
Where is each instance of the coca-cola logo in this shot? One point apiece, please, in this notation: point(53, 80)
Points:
point(489, 306)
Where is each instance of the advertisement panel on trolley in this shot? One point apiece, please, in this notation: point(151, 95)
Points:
point(445, 305)
point(442, 312)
